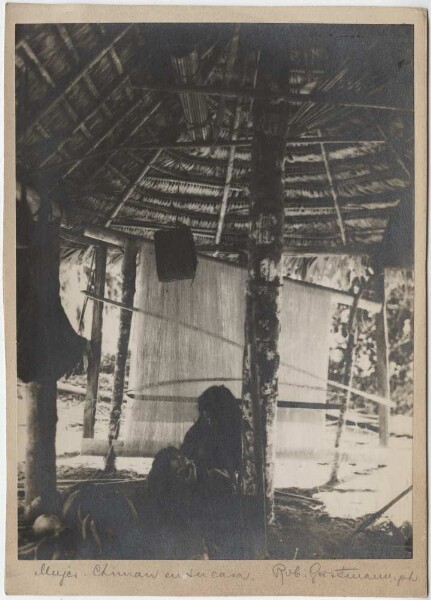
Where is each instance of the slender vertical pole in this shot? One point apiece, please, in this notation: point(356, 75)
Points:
point(382, 370)
point(96, 343)
point(128, 293)
point(347, 381)
point(260, 383)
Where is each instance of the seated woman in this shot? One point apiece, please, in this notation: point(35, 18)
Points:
point(213, 443)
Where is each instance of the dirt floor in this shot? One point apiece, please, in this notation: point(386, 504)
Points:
point(369, 477)
point(302, 530)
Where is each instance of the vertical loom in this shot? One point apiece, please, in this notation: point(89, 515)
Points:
point(304, 346)
point(190, 335)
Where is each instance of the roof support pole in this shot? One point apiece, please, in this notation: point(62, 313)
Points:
point(347, 381)
point(96, 344)
point(382, 370)
point(40, 461)
point(39, 320)
point(127, 295)
point(262, 325)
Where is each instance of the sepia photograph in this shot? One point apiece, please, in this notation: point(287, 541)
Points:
point(215, 291)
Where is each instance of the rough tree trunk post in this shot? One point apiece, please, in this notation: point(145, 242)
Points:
point(347, 381)
point(261, 360)
point(96, 344)
point(40, 397)
point(40, 470)
point(253, 475)
point(128, 293)
point(41, 394)
point(382, 370)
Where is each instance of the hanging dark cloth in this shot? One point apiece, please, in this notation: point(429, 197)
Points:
point(47, 345)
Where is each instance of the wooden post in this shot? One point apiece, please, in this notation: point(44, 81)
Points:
point(253, 463)
point(382, 370)
point(40, 470)
point(347, 381)
point(128, 293)
point(260, 383)
point(39, 321)
point(96, 344)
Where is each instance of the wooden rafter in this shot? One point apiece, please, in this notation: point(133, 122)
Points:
point(201, 181)
point(172, 212)
point(43, 72)
point(352, 249)
point(81, 125)
point(140, 123)
point(35, 60)
point(68, 42)
point(237, 143)
point(58, 95)
point(119, 174)
point(229, 173)
point(45, 75)
point(398, 158)
point(334, 194)
point(230, 63)
point(227, 79)
point(131, 189)
point(105, 136)
point(115, 59)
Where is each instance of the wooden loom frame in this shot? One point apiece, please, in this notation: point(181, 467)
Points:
point(101, 237)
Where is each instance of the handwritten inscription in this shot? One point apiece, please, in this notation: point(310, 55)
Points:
point(316, 573)
point(106, 570)
point(60, 575)
point(283, 572)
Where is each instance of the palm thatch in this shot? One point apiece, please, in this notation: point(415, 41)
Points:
point(91, 99)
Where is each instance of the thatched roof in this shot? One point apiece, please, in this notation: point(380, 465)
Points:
point(110, 124)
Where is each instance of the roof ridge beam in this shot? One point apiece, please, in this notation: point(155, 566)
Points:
point(268, 95)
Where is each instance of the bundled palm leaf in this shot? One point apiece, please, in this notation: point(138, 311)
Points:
point(96, 520)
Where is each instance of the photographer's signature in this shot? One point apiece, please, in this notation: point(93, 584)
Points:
point(316, 572)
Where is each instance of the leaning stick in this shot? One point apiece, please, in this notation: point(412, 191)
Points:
point(369, 520)
point(298, 497)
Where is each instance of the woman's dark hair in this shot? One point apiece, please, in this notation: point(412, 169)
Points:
point(219, 404)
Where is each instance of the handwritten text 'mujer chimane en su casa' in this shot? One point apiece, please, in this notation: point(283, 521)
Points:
point(106, 570)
